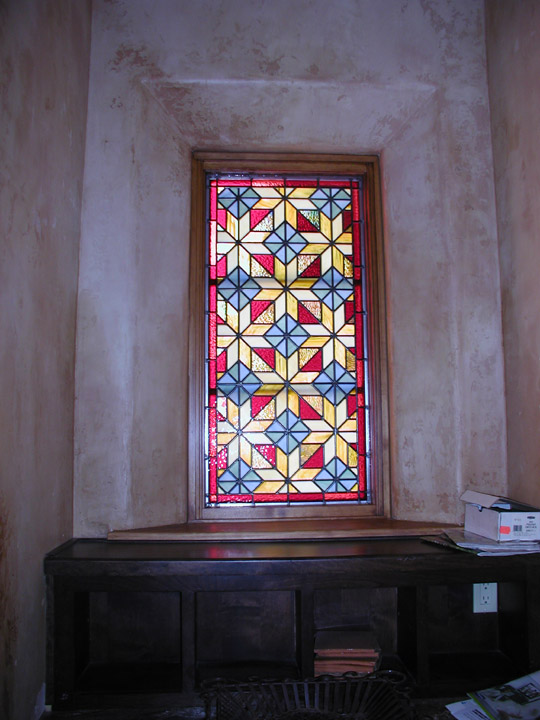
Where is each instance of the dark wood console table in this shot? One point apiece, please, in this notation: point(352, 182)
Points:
point(135, 623)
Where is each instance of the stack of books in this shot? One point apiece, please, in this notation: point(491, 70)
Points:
point(341, 651)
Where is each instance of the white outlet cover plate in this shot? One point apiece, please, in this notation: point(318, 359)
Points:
point(484, 597)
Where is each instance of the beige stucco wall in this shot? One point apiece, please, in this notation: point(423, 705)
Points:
point(403, 79)
point(44, 55)
point(406, 79)
point(514, 65)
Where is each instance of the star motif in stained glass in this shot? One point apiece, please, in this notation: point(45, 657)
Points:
point(334, 382)
point(238, 383)
point(336, 477)
point(333, 288)
point(238, 200)
point(331, 201)
point(285, 243)
point(287, 431)
point(238, 288)
point(286, 335)
point(239, 478)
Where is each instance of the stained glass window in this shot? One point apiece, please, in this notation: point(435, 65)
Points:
point(287, 409)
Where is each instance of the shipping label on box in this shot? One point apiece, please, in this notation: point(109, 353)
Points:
point(500, 518)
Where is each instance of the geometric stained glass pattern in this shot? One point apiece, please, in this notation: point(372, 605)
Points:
point(286, 405)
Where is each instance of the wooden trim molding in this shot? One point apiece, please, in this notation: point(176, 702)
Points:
point(304, 529)
point(366, 166)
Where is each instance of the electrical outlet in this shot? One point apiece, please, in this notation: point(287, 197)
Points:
point(484, 597)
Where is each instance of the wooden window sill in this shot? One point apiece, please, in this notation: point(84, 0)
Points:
point(311, 529)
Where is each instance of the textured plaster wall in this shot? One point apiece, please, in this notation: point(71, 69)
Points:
point(403, 79)
point(44, 55)
point(513, 35)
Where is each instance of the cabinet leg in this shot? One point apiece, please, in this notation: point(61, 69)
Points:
point(305, 631)
point(533, 616)
point(413, 646)
point(189, 652)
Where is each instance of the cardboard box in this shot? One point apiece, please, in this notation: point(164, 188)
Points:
point(500, 518)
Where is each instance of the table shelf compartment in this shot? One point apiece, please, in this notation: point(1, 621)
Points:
point(250, 629)
point(454, 673)
point(137, 678)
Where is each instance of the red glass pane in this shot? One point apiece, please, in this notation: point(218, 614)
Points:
point(221, 267)
point(362, 486)
point(257, 215)
point(361, 445)
point(303, 224)
point(212, 374)
point(316, 460)
point(268, 452)
point(221, 218)
point(268, 355)
point(356, 244)
point(258, 307)
point(358, 302)
point(267, 182)
point(335, 183)
point(356, 204)
point(360, 373)
point(222, 362)
point(313, 269)
point(340, 496)
point(213, 200)
point(308, 497)
point(222, 459)
point(266, 261)
point(301, 183)
point(212, 298)
point(258, 403)
point(228, 182)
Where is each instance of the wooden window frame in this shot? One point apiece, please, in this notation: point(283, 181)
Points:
point(367, 166)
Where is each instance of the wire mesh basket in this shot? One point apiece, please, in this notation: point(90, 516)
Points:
point(356, 697)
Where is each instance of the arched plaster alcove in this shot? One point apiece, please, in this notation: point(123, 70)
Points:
point(408, 90)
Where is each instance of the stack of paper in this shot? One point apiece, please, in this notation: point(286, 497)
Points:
point(518, 699)
point(340, 651)
point(470, 542)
